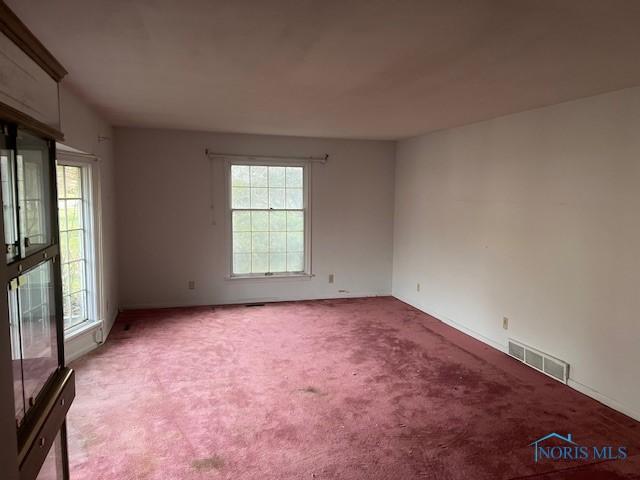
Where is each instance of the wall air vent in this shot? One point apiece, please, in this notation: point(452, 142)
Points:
point(541, 361)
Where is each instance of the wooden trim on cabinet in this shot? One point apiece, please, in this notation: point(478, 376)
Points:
point(11, 114)
point(20, 34)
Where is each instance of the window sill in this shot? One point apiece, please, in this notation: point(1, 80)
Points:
point(81, 329)
point(287, 276)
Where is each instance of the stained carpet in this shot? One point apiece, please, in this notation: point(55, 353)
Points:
point(333, 389)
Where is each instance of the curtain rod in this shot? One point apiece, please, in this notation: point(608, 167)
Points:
point(322, 159)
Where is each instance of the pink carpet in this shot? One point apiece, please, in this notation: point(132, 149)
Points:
point(335, 389)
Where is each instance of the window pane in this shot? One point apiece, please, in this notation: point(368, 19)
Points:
point(242, 263)
point(259, 176)
point(278, 262)
point(242, 242)
point(73, 181)
point(294, 198)
point(62, 214)
point(260, 262)
point(278, 242)
point(76, 276)
point(78, 311)
point(260, 242)
point(295, 242)
point(295, 262)
point(240, 176)
point(60, 181)
point(276, 198)
point(74, 214)
point(65, 279)
point(276, 176)
point(259, 197)
point(260, 221)
point(241, 197)
point(295, 221)
point(75, 239)
point(241, 221)
point(278, 221)
point(294, 177)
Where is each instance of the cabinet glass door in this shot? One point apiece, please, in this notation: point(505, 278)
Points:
point(7, 176)
point(33, 172)
point(33, 333)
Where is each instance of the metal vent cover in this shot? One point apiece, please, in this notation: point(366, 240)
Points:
point(541, 361)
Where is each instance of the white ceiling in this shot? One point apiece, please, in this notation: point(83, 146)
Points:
point(335, 68)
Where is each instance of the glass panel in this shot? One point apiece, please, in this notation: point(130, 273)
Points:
point(278, 242)
point(240, 176)
point(259, 176)
point(295, 242)
point(52, 466)
point(295, 221)
point(260, 263)
point(33, 311)
point(72, 182)
point(7, 173)
point(260, 221)
point(241, 221)
point(73, 214)
point(241, 197)
point(276, 177)
point(242, 263)
point(260, 242)
point(33, 192)
point(294, 198)
point(295, 262)
point(16, 353)
point(278, 262)
point(294, 177)
point(276, 198)
point(278, 221)
point(242, 242)
point(259, 197)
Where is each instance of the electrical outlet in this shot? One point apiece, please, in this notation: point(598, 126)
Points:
point(192, 284)
point(331, 278)
point(505, 323)
point(417, 287)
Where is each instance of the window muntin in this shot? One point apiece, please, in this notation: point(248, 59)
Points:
point(72, 202)
point(268, 213)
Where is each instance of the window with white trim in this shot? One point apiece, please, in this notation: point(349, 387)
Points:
point(269, 220)
point(76, 244)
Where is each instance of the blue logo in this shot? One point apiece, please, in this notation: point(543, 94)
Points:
point(570, 450)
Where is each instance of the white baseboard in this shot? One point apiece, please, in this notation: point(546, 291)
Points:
point(609, 402)
point(144, 306)
point(585, 389)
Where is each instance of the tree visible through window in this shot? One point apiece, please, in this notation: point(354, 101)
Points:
point(73, 249)
point(268, 219)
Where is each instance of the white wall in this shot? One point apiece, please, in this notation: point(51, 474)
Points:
point(166, 235)
point(81, 126)
point(533, 216)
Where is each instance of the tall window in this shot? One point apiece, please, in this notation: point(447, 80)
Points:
point(74, 216)
point(269, 220)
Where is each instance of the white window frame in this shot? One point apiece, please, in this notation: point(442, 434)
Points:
point(306, 207)
point(93, 241)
